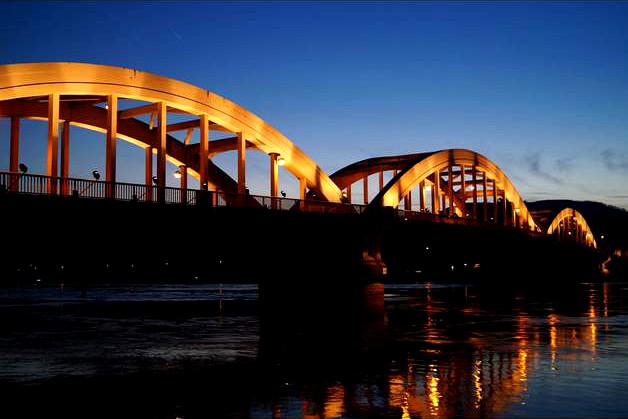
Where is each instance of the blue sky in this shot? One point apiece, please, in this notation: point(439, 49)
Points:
point(540, 88)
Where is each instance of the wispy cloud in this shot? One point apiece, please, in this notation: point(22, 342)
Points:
point(565, 165)
point(614, 161)
point(533, 164)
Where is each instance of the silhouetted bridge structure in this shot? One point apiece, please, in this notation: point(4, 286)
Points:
point(454, 186)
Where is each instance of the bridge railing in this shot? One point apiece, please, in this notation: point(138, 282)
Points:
point(96, 189)
point(87, 188)
point(224, 199)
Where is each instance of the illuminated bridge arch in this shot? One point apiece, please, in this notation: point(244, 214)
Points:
point(88, 96)
point(454, 182)
point(570, 225)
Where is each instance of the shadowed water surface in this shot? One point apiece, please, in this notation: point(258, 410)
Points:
point(207, 351)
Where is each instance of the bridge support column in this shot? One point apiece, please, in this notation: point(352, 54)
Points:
point(348, 190)
point(162, 115)
point(14, 156)
point(148, 173)
point(365, 183)
point(495, 199)
point(436, 193)
point(422, 196)
point(110, 152)
point(53, 141)
point(202, 152)
point(463, 192)
point(302, 188)
point(485, 197)
point(302, 192)
point(381, 180)
point(450, 188)
point(474, 176)
point(504, 207)
point(242, 164)
point(274, 179)
point(183, 184)
point(14, 153)
point(65, 156)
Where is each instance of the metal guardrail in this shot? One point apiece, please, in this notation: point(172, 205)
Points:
point(94, 189)
point(86, 188)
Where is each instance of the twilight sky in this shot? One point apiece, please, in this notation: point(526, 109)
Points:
point(540, 88)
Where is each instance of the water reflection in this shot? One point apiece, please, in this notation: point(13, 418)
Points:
point(437, 351)
point(448, 354)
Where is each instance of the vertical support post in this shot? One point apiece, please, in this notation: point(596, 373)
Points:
point(242, 164)
point(14, 159)
point(408, 202)
point(65, 156)
point(422, 196)
point(485, 197)
point(349, 193)
point(302, 191)
point(148, 174)
point(110, 152)
point(274, 178)
point(463, 189)
point(53, 141)
point(504, 207)
point(365, 183)
point(495, 193)
point(183, 184)
point(381, 179)
point(162, 114)
point(203, 155)
point(450, 188)
point(436, 193)
point(302, 187)
point(474, 177)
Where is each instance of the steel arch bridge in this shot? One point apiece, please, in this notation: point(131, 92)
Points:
point(456, 183)
point(570, 225)
point(69, 93)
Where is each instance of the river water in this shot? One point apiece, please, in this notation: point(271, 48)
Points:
point(205, 351)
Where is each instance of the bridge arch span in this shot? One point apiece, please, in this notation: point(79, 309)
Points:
point(569, 224)
point(86, 85)
point(452, 177)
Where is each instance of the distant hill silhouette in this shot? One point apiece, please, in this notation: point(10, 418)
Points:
point(605, 220)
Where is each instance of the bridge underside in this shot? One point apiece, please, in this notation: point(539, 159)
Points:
point(71, 249)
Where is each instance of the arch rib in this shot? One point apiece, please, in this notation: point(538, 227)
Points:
point(89, 80)
point(571, 222)
point(416, 168)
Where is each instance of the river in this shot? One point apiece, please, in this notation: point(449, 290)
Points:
point(205, 351)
